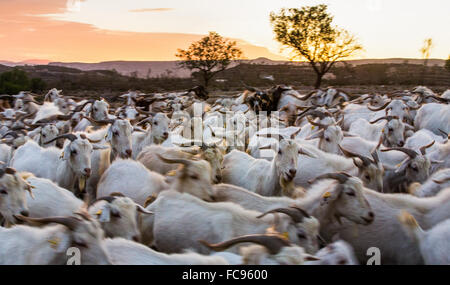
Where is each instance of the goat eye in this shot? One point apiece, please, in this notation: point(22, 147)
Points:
point(116, 133)
point(155, 123)
point(194, 177)
point(74, 152)
point(279, 151)
point(367, 177)
point(43, 135)
point(390, 130)
point(301, 235)
point(3, 192)
point(327, 139)
point(350, 193)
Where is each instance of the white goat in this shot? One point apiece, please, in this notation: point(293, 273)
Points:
point(180, 219)
point(433, 243)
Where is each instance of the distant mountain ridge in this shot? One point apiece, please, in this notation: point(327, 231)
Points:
point(152, 69)
point(145, 69)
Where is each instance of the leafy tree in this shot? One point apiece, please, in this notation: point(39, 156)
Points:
point(37, 85)
point(209, 56)
point(14, 81)
point(447, 64)
point(308, 32)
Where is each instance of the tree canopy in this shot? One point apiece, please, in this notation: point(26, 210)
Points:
point(209, 56)
point(309, 33)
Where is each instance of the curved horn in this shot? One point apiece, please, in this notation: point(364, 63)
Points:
point(295, 213)
point(442, 181)
point(274, 243)
point(374, 152)
point(444, 133)
point(340, 176)
point(388, 118)
point(78, 108)
point(371, 108)
point(70, 137)
point(70, 222)
point(423, 149)
point(366, 161)
point(108, 199)
point(174, 160)
point(100, 122)
point(305, 97)
point(440, 99)
point(411, 153)
point(315, 113)
point(11, 133)
point(322, 126)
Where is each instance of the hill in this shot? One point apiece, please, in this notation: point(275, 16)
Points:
point(153, 69)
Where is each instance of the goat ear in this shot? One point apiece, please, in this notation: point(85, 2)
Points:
point(358, 162)
point(104, 214)
point(331, 195)
point(109, 134)
point(402, 166)
point(66, 152)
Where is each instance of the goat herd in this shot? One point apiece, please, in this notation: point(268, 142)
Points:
point(266, 177)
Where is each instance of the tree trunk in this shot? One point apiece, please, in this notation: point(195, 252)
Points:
point(318, 80)
point(206, 79)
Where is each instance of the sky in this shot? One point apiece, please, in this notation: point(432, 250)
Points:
point(101, 30)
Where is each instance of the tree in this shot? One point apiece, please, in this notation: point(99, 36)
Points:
point(14, 81)
point(426, 50)
point(447, 64)
point(308, 32)
point(209, 56)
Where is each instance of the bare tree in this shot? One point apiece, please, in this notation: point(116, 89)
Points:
point(426, 50)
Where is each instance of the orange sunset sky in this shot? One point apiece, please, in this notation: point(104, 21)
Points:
point(102, 30)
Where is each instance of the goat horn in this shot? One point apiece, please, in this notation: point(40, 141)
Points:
point(388, 118)
point(108, 199)
point(305, 97)
point(366, 161)
point(374, 152)
point(140, 111)
point(442, 181)
point(70, 222)
point(371, 108)
point(440, 99)
point(424, 148)
point(174, 160)
point(411, 153)
point(11, 133)
point(78, 108)
point(444, 133)
point(340, 176)
point(295, 213)
point(273, 242)
point(322, 126)
point(70, 137)
point(100, 122)
point(294, 134)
